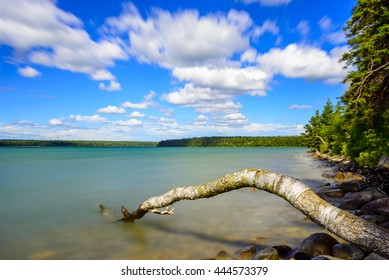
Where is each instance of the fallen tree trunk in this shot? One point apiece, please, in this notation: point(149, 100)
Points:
point(342, 223)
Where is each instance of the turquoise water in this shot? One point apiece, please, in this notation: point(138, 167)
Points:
point(49, 201)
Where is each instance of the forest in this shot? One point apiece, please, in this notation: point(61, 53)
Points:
point(75, 143)
point(357, 127)
point(236, 141)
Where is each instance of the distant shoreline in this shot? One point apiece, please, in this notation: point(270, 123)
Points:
point(216, 141)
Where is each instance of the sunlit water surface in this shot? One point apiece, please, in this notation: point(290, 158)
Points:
point(49, 201)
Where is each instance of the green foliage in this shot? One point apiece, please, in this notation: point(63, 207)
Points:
point(75, 143)
point(236, 141)
point(358, 127)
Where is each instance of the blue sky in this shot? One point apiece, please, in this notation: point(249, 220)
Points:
point(154, 70)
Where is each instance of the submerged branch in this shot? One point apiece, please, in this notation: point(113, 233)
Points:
point(342, 223)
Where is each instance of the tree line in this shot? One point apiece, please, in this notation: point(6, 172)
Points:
point(236, 141)
point(75, 143)
point(358, 126)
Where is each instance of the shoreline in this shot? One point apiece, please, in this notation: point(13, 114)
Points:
point(359, 190)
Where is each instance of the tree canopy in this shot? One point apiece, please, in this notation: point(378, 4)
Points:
point(358, 127)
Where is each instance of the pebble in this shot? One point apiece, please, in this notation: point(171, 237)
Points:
point(223, 255)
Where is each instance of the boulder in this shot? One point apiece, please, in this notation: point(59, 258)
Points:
point(284, 251)
point(376, 219)
point(378, 206)
point(347, 252)
point(298, 255)
point(374, 256)
point(318, 244)
point(347, 176)
point(247, 253)
point(223, 255)
point(267, 254)
point(385, 225)
point(325, 258)
point(353, 185)
point(352, 200)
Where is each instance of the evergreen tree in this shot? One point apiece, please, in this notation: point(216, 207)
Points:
point(366, 101)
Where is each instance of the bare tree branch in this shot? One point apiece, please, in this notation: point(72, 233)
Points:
point(342, 223)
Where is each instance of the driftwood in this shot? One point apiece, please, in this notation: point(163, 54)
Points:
point(342, 223)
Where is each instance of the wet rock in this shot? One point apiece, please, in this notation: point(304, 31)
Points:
point(376, 219)
point(267, 254)
point(335, 193)
point(347, 252)
point(318, 244)
point(378, 206)
point(374, 256)
point(284, 251)
point(352, 200)
point(325, 258)
point(347, 176)
point(223, 255)
point(247, 253)
point(328, 176)
point(376, 193)
point(353, 185)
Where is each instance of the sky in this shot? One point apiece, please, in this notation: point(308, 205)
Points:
point(156, 70)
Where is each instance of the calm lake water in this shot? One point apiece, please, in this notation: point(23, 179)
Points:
point(49, 201)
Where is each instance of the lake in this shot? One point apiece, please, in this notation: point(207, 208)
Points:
point(49, 199)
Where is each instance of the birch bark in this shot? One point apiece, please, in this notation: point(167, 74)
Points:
point(342, 223)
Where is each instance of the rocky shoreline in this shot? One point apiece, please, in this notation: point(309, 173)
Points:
point(359, 190)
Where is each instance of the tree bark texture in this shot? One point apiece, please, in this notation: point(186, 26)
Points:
point(342, 223)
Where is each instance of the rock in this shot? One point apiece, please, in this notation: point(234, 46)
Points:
point(376, 193)
point(374, 256)
point(223, 255)
point(326, 175)
point(298, 255)
point(385, 225)
point(325, 258)
point(347, 176)
point(318, 244)
point(284, 251)
point(352, 200)
point(335, 193)
point(267, 254)
point(353, 185)
point(376, 219)
point(347, 252)
point(378, 206)
point(247, 253)
point(383, 164)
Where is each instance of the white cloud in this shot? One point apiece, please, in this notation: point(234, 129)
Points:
point(299, 107)
point(310, 63)
point(102, 75)
point(267, 26)
point(131, 105)
point(112, 86)
point(137, 114)
point(249, 55)
point(88, 119)
point(303, 28)
point(29, 72)
point(234, 119)
point(53, 37)
point(269, 3)
point(56, 122)
point(182, 38)
point(130, 122)
point(250, 80)
point(111, 110)
point(325, 23)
